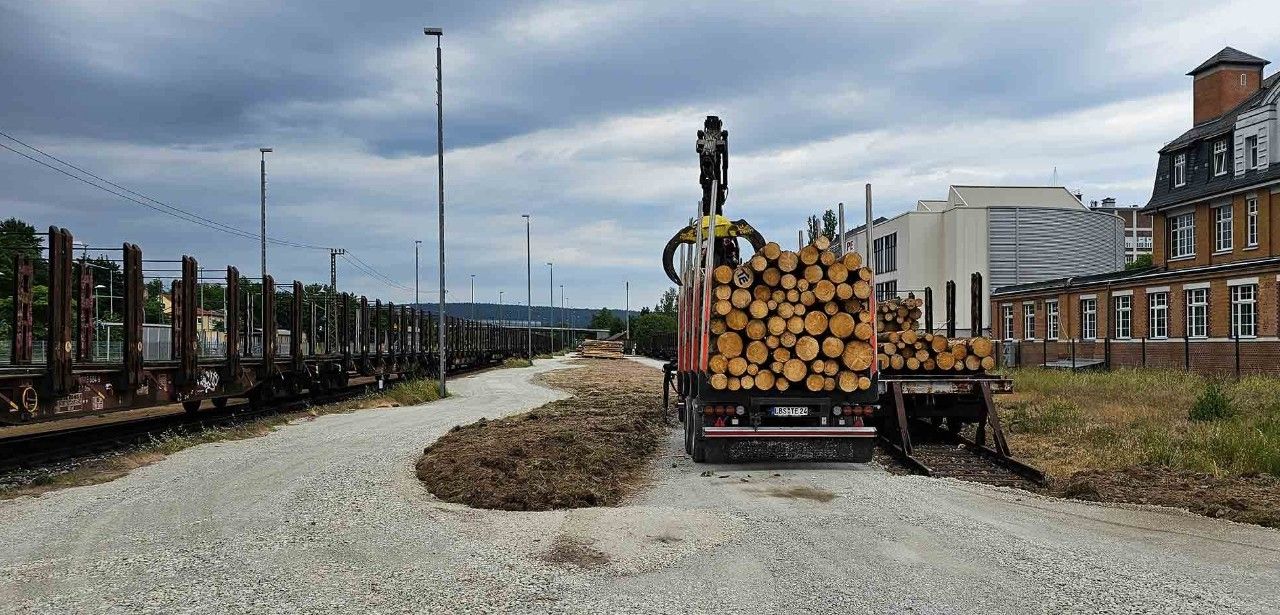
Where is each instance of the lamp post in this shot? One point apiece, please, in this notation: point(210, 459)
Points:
point(501, 321)
point(263, 176)
point(417, 243)
point(438, 33)
point(565, 336)
point(628, 313)
point(528, 273)
point(551, 305)
point(473, 297)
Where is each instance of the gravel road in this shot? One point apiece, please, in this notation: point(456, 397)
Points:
point(326, 516)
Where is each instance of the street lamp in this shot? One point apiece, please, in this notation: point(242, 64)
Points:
point(439, 33)
point(417, 243)
point(473, 297)
point(528, 273)
point(628, 313)
point(564, 336)
point(551, 305)
point(501, 322)
point(264, 151)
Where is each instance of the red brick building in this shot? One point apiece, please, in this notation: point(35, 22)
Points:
point(1211, 300)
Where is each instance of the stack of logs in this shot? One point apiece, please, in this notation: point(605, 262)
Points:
point(785, 319)
point(914, 351)
point(602, 349)
point(899, 314)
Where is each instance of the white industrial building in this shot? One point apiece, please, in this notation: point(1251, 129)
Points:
point(1009, 234)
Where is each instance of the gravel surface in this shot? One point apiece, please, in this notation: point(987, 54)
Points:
point(327, 516)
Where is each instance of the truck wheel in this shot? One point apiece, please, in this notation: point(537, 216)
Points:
point(219, 402)
point(715, 452)
point(191, 406)
point(699, 448)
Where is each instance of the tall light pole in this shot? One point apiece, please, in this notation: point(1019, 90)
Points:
point(264, 151)
point(628, 313)
point(528, 273)
point(438, 33)
point(564, 336)
point(501, 322)
point(473, 297)
point(417, 243)
point(551, 305)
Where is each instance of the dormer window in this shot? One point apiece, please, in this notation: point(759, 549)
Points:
point(1251, 152)
point(1180, 170)
point(1219, 158)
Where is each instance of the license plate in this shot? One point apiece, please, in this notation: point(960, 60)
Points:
point(790, 411)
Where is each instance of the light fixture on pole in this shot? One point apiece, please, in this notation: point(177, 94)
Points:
point(528, 272)
point(551, 305)
point(264, 151)
point(473, 297)
point(628, 313)
point(439, 33)
point(501, 322)
point(417, 243)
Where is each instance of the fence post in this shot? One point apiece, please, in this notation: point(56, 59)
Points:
point(1106, 351)
point(1236, 336)
point(1044, 351)
point(1144, 351)
point(1186, 353)
point(1073, 355)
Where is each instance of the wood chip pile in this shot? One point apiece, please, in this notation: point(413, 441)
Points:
point(602, 349)
point(792, 319)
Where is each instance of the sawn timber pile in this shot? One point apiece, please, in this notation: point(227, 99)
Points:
point(602, 349)
point(785, 319)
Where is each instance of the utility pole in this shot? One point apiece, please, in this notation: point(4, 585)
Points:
point(551, 306)
point(438, 33)
point(628, 314)
point(473, 297)
point(564, 338)
point(528, 273)
point(264, 151)
point(417, 243)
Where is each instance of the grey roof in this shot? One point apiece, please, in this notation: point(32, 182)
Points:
point(1229, 55)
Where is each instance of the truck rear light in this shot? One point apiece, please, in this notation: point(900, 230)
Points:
point(848, 410)
point(708, 410)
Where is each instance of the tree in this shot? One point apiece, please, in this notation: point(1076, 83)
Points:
point(646, 327)
point(1142, 261)
point(606, 319)
point(18, 237)
point(815, 228)
point(830, 225)
point(668, 302)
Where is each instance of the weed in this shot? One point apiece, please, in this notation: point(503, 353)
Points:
point(1212, 404)
point(517, 362)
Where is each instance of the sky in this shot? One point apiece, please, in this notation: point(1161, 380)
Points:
point(581, 114)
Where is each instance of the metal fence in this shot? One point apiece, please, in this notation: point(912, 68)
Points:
point(1211, 356)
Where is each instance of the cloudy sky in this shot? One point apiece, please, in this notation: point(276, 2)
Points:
point(581, 114)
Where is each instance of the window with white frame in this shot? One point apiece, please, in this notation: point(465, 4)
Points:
point(1251, 222)
point(1089, 319)
point(1244, 310)
point(1123, 316)
point(1007, 312)
point(1222, 228)
point(1180, 170)
point(1198, 312)
point(1182, 235)
point(1251, 153)
point(1158, 315)
point(1051, 319)
point(1028, 321)
point(1220, 157)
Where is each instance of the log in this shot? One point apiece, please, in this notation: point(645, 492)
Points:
point(771, 341)
point(795, 325)
point(764, 380)
point(808, 298)
point(831, 368)
point(828, 384)
point(808, 255)
point(794, 370)
point(787, 339)
point(806, 348)
point(758, 309)
point(821, 242)
point(757, 352)
point(864, 383)
point(771, 251)
point(788, 281)
point(722, 274)
point(831, 308)
point(762, 293)
point(719, 382)
point(826, 259)
point(753, 369)
point(863, 331)
point(841, 325)
point(758, 263)
point(852, 261)
point(718, 364)
point(785, 310)
point(861, 289)
point(736, 320)
point(813, 273)
point(973, 363)
point(740, 298)
point(815, 323)
point(981, 346)
point(857, 356)
point(722, 292)
point(771, 276)
point(737, 366)
point(721, 307)
point(747, 382)
point(945, 361)
point(824, 290)
point(802, 284)
point(847, 381)
point(988, 363)
point(743, 277)
point(788, 261)
point(844, 290)
point(793, 297)
point(814, 382)
point(734, 384)
point(781, 354)
point(717, 326)
point(782, 384)
point(837, 273)
point(798, 309)
point(817, 366)
point(832, 347)
point(729, 344)
point(776, 324)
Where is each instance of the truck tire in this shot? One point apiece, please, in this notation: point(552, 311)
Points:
point(716, 451)
point(856, 450)
point(191, 406)
point(699, 447)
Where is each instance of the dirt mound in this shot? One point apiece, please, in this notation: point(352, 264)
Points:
point(1246, 499)
point(589, 450)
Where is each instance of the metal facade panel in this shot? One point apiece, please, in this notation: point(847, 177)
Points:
point(1035, 244)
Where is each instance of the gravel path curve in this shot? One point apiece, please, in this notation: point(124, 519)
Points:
point(326, 516)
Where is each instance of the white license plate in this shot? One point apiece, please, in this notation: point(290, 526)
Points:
point(790, 411)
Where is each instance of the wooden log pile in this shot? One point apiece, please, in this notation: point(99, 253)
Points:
point(899, 314)
point(913, 351)
point(602, 349)
point(788, 319)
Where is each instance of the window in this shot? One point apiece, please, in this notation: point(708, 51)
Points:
point(1244, 79)
point(886, 290)
point(1251, 152)
point(886, 253)
point(1251, 222)
point(1007, 312)
point(1089, 319)
point(1124, 316)
point(1220, 158)
point(1198, 312)
point(1051, 320)
point(1029, 321)
point(1244, 310)
point(1182, 235)
point(1158, 315)
point(1222, 229)
point(1180, 170)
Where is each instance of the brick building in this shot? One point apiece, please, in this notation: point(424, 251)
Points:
point(1211, 300)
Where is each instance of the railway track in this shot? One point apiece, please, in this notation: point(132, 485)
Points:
point(938, 453)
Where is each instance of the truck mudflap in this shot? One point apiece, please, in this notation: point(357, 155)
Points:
point(789, 432)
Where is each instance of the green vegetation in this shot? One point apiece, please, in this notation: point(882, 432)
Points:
point(517, 362)
point(1143, 261)
point(1068, 422)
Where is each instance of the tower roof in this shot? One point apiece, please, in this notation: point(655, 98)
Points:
point(1229, 55)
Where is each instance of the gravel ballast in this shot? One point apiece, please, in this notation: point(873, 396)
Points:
point(327, 516)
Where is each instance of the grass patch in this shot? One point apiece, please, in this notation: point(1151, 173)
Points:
point(166, 443)
point(592, 449)
point(517, 362)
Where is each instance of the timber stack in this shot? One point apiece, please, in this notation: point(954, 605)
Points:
point(914, 351)
point(899, 314)
point(788, 319)
point(602, 349)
